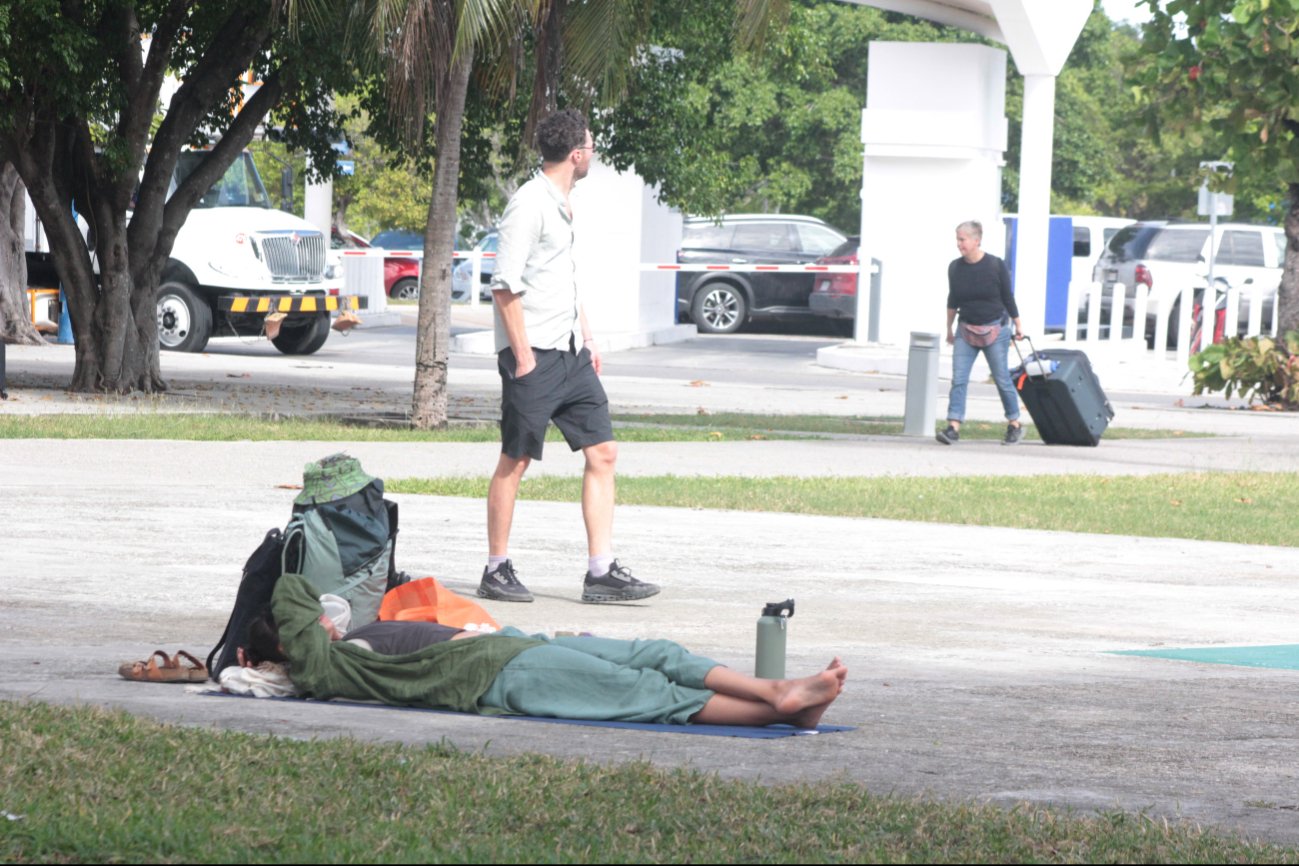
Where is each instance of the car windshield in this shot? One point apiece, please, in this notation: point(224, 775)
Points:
point(1177, 245)
point(1125, 241)
point(240, 186)
point(398, 240)
point(844, 250)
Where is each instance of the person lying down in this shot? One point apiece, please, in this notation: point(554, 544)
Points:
point(507, 672)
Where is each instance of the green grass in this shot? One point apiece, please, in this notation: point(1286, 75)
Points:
point(237, 428)
point(1244, 507)
point(727, 426)
point(98, 786)
point(843, 425)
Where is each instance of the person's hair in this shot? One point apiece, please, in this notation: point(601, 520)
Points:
point(264, 640)
point(972, 227)
point(561, 133)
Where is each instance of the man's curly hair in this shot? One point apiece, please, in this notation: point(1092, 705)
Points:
point(560, 133)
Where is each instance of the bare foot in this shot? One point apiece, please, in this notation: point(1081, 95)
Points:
point(820, 689)
point(810, 717)
point(840, 671)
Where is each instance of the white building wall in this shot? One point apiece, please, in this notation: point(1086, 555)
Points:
point(618, 224)
point(933, 157)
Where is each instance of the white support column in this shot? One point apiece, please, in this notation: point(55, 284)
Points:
point(1036, 145)
point(318, 206)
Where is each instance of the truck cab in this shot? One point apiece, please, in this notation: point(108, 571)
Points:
point(240, 267)
point(237, 260)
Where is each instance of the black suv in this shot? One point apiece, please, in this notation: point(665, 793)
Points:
point(720, 302)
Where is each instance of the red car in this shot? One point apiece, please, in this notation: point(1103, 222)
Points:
point(400, 275)
point(835, 295)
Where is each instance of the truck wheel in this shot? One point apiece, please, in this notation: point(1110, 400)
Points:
point(405, 290)
point(719, 308)
point(184, 319)
point(304, 336)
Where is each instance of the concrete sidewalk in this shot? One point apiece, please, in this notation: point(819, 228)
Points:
point(980, 658)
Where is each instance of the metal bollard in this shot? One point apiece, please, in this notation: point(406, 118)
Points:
point(922, 385)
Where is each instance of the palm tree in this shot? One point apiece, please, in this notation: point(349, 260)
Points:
point(430, 46)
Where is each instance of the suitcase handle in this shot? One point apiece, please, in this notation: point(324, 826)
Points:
point(1023, 366)
point(1032, 348)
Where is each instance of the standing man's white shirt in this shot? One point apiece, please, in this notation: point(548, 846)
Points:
point(534, 260)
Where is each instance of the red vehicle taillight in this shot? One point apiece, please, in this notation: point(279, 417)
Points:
point(1143, 278)
point(837, 284)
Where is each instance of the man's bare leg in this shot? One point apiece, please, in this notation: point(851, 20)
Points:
point(501, 494)
point(746, 700)
point(598, 490)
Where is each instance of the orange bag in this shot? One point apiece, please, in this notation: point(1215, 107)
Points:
point(426, 600)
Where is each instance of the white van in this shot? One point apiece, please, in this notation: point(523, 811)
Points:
point(1090, 235)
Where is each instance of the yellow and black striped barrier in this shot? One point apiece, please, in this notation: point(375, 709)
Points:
point(289, 303)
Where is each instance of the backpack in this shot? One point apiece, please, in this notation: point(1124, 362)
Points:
point(341, 537)
point(343, 546)
point(261, 572)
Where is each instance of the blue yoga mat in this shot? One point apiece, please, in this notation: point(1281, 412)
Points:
point(770, 732)
point(1281, 656)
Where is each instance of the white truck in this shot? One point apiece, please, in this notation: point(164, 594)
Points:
point(235, 261)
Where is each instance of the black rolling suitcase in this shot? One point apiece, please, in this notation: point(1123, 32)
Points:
point(1063, 396)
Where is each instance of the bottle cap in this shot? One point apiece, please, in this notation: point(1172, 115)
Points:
point(779, 608)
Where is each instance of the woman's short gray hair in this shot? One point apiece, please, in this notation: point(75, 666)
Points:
point(973, 228)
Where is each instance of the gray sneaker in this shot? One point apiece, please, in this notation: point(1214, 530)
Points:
point(1014, 433)
point(617, 585)
point(503, 584)
point(950, 436)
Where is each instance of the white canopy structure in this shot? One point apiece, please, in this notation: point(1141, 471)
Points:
point(932, 127)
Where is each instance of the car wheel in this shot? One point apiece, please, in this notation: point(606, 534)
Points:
point(304, 336)
point(719, 308)
point(405, 290)
point(184, 319)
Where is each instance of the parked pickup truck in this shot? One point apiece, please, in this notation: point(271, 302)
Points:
point(235, 261)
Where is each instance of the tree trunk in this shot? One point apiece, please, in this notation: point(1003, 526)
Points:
point(1287, 295)
point(15, 316)
point(433, 338)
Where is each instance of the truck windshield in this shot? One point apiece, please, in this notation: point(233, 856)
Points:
point(241, 186)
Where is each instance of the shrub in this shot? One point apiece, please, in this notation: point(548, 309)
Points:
point(1257, 368)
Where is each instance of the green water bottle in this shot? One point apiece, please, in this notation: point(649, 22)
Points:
point(770, 658)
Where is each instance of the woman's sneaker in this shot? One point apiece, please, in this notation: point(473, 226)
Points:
point(615, 585)
point(1014, 433)
point(950, 436)
point(502, 584)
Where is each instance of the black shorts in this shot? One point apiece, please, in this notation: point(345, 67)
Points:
point(562, 388)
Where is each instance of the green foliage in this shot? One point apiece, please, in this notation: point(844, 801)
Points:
point(772, 131)
point(1227, 68)
point(1257, 368)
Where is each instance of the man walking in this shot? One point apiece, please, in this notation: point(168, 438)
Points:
point(550, 367)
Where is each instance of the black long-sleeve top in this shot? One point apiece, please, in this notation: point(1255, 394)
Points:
point(980, 292)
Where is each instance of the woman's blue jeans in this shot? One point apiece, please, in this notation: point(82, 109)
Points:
point(963, 356)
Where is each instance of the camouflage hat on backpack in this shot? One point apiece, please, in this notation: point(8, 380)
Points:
point(332, 478)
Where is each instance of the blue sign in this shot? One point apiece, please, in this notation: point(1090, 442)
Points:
point(347, 166)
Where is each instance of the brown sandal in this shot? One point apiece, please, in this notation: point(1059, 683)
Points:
point(150, 671)
point(196, 672)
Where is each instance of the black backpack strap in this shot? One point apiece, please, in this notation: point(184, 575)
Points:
point(260, 574)
point(395, 578)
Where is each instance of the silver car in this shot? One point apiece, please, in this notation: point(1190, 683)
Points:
point(1166, 257)
point(462, 274)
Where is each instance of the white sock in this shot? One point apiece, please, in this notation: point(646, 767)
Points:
point(598, 566)
point(494, 561)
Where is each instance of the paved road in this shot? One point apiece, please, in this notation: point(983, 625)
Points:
point(980, 658)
